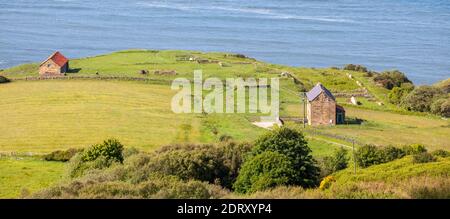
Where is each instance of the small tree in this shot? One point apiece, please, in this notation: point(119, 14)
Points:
point(291, 143)
point(263, 171)
point(368, 155)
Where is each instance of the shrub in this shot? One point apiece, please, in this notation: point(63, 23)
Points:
point(368, 155)
point(336, 162)
point(440, 153)
point(421, 98)
point(78, 167)
point(111, 149)
point(396, 95)
point(424, 157)
point(391, 153)
point(263, 171)
point(63, 156)
point(214, 164)
point(326, 182)
point(156, 186)
point(391, 79)
point(441, 107)
point(414, 149)
point(352, 67)
point(97, 156)
point(4, 79)
point(291, 143)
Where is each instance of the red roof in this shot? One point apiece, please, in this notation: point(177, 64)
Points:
point(58, 58)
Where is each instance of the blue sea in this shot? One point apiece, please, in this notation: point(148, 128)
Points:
point(410, 35)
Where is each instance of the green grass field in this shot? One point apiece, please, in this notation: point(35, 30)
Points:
point(44, 116)
point(27, 174)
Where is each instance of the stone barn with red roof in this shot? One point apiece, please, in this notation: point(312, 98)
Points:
point(322, 108)
point(55, 65)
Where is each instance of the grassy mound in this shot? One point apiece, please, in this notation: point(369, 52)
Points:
point(397, 179)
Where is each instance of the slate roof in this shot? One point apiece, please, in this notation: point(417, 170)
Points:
point(318, 89)
point(58, 58)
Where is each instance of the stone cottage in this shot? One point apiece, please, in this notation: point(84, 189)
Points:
point(322, 108)
point(54, 65)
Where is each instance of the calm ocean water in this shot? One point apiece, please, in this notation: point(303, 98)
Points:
point(410, 35)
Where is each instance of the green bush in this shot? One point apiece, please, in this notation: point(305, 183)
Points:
point(263, 171)
point(396, 95)
point(424, 157)
point(97, 156)
point(391, 153)
point(391, 79)
point(421, 98)
point(4, 79)
point(352, 67)
point(78, 167)
point(368, 155)
point(440, 153)
point(414, 149)
point(111, 149)
point(338, 161)
point(63, 156)
point(291, 143)
point(217, 164)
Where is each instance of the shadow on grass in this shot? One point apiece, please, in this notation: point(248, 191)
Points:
point(73, 70)
point(353, 121)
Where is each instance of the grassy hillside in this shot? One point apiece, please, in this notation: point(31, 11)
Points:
point(397, 179)
point(46, 115)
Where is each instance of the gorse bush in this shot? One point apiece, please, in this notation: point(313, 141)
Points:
point(63, 156)
point(262, 171)
point(326, 182)
point(424, 157)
